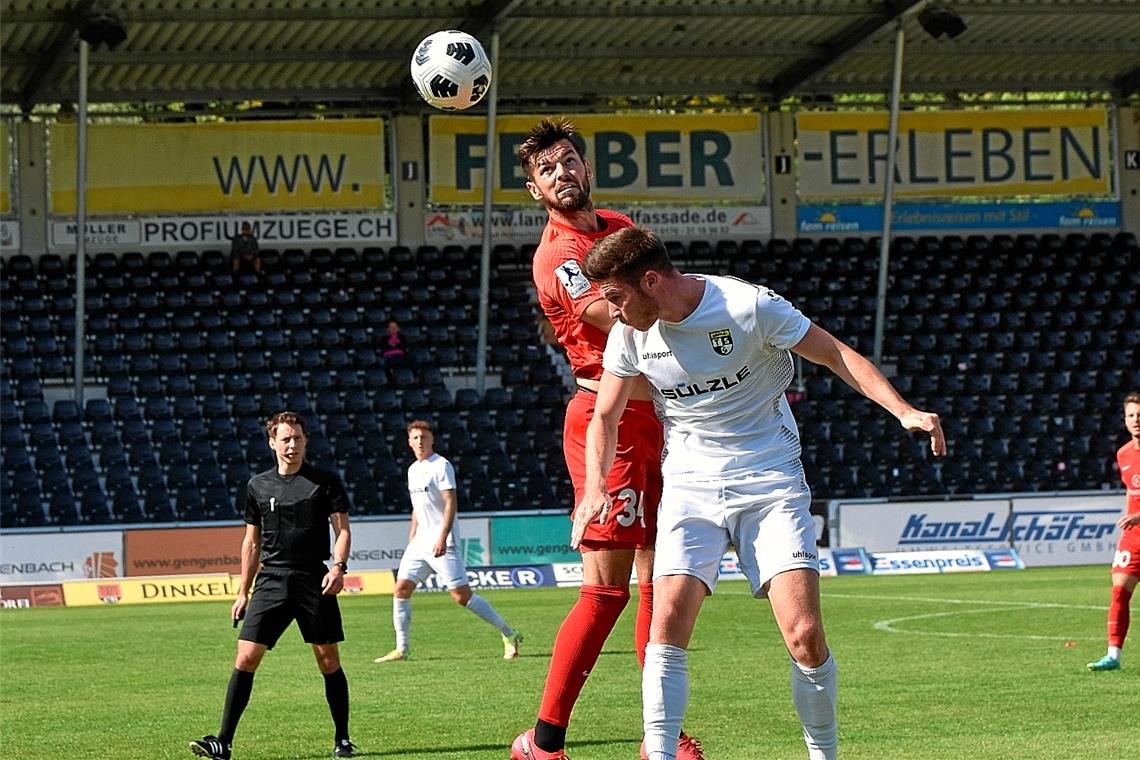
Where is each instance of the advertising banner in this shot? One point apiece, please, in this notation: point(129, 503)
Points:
point(542, 539)
point(834, 219)
point(658, 158)
point(175, 551)
point(910, 526)
point(379, 545)
point(180, 588)
point(849, 561)
point(196, 232)
point(247, 166)
point(1044, 530)
point(912, 563)
point(1066, 530)
point(672, 223)
point(195, 588)
point(6, 174)
point(519, 576)
point(27, 557)
point(947, 154)
point(38, 595)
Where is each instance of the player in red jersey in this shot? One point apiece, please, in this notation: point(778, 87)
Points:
point(558, 176)
point(1126, 563)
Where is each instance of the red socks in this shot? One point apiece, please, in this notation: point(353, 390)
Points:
point(644, 618)
point(1118, 616)
point(577, 646)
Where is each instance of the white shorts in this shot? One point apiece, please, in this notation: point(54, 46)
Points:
point(766, 516)
point(418, 563)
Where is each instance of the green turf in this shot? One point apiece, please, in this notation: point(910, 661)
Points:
point(969, 668)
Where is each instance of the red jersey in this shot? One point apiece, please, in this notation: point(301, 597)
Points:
point(1128, 460)
point(564, 292)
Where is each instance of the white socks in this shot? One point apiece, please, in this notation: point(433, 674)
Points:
point(1114, 652)
point(664, 696)
point(402, 621)
point(814, 693)
point(484, 610)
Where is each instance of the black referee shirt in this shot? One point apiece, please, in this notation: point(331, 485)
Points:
point(293, 512)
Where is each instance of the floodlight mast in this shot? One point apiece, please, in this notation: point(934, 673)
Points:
point(96, 26)
point(935, 20)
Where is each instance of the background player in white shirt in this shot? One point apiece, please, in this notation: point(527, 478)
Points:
point(718, 351)
point(434, 545)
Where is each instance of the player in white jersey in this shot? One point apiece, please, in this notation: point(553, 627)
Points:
point(718, 351)
point(434, 545)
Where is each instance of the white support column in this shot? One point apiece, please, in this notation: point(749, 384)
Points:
point(409, 193)
point(32, 184)
point(782, 192)
point(1128, 138)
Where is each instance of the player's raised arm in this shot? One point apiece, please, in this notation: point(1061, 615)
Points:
point(821, 347)
point(601, 446)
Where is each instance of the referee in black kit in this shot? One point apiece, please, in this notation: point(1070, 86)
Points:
point(288, 511)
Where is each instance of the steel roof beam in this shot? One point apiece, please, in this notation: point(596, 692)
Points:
point(786, 82)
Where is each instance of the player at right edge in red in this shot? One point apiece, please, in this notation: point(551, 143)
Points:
point(558, 176)
point(1126, 563)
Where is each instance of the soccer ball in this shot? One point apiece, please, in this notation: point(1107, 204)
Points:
point(451, 70)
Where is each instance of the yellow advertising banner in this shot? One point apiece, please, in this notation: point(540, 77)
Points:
point(195, 588)
point(6, 175)
point(686, 158)
point(949, 154)
point(240, 166)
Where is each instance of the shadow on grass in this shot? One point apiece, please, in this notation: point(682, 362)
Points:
point(462, 748)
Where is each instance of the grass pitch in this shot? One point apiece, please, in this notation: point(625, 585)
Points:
point(958, 666)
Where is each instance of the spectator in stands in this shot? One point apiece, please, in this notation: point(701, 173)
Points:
point(719, 352)
point(558, 176)
point(393, 345)
point(245, 257)
point(1126, 563)
point(434, 546)
point(288, 510)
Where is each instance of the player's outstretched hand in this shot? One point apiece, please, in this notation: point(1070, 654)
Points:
point(594, 506)
point(929, 423)
point(1128, 521)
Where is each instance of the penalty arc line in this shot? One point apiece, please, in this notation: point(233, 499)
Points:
point(990, 606)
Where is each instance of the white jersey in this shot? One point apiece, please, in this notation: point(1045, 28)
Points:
point(721, 374)
point(427, 480)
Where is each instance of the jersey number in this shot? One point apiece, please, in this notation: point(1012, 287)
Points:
point(1123, 558)
point(632, 511)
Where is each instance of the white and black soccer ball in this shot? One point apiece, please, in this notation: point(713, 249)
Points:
point(451, 70)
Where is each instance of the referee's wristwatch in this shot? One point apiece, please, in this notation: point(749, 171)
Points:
point(342, 565)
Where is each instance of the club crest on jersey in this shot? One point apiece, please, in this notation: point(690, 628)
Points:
point(721, 341)
point(570, 274)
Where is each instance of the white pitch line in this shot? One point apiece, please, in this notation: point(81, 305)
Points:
point(889, 626)
point(943, 600)
point(989, 606)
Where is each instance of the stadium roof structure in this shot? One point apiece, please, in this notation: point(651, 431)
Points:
point(576, 53)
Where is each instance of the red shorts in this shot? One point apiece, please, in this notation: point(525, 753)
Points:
point(635, 479)
point(1127, 558)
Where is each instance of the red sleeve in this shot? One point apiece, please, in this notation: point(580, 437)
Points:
point(564, 293)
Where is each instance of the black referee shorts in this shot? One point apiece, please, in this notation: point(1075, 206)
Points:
point(281, 596)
